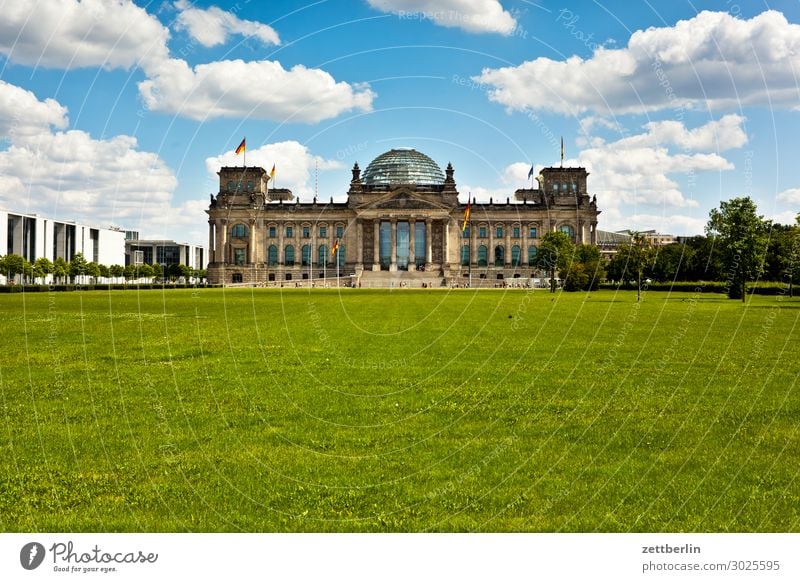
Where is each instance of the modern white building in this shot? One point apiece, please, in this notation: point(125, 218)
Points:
point(164, 253)
point(32, 236)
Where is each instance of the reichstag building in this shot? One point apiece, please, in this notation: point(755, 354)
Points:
point(402, 225)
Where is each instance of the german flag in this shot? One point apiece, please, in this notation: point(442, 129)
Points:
point(272, 173)
point(241, 147)
point(466, 216)
point(335, 247)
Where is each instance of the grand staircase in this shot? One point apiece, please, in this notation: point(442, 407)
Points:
point(400, 279)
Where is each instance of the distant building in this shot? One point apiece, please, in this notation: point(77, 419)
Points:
point(165, 253)
point(32, 236)
point(609, 242)
point(400, 225)
point(656, 239)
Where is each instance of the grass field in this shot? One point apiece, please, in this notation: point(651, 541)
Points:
point(414, 410)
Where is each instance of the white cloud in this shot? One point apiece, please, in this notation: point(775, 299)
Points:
point(677, 224)
point(790, 196)
point(69, 34)
point(470, 15)
point(23, 115)
point(637, 169)
point(212, 26)
point(712, 60)
point(271, 92)
point(70, 175)
point(787, 217)
point(294, 165)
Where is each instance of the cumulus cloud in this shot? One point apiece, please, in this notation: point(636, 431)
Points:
point(23, 115)
point(637, 169)
point(712, 60)
point(790, 196)
point(470, 15)
point(294, 164)
point(68, 34)
point(212, 26)
point(69, 174)
point(271, 92)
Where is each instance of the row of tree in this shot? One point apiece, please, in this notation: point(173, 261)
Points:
point(78, 269)
point(739, 246)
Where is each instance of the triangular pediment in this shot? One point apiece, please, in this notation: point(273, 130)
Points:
point(404, 200)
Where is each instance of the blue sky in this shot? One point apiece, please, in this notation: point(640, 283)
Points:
point(114, 112)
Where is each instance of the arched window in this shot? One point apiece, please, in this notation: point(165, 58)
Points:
point(322, 255)
point(465, 255)
point(568, 230)
point(340, 255)
point(288, 256)
point(515, 256)
point(306, 255)
point(239, 231)
point(532, 252)
point(499, 256)
point(482, 252)
point(272, 255)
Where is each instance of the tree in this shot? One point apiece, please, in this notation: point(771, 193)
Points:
point(793, 263)
point(157, 271)
point(174, 271)
point(42, 267)
point(93, 270)
point(633, 260)
point(186, 273)
point(556, 252)
point(60, 269)
point(129, 272)
point(146, 271)
point(670, 262)
point(105, 272)
point(116, 271)
point(742, 236)
point(78, 266)
point(13, 265)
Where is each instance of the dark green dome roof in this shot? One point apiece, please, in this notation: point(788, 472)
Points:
point(403, 166)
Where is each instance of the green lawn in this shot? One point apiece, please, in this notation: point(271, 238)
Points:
point(413, 410)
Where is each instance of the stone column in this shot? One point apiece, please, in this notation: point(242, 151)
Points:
point(251, 246)
point(507, 232)
point(594, 233)
point(210, 242)
point(376, 245)
point(583, 231)
point(359, 244)
point(412, 261)
point(393, 263)
point(428, 242)
point(490, 252)
point(523, 252)
point(223, 250)
point(445, 242)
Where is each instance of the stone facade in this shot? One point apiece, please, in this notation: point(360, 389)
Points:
point(397, 227)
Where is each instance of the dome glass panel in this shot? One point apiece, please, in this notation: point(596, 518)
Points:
point(403, 166)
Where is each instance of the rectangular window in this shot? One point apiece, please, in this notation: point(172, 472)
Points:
point(323, 232)
point(289, 232)
point(306, 232)
point(482, 232)
point(238, 256)
point(466, 233)
point(498, 232)
point(272, 232)
point(533, 232)
point(339, 231)
point(515, 232)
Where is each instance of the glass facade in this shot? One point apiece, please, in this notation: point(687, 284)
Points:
point(403, 242)
point(385, 245)
point(420, 244)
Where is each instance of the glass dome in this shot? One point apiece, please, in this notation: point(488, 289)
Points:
point(403, 166)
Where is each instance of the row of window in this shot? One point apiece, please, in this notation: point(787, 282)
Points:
point(515, 231)
point(241, 231)
point(323, 255)
point(499, 255)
